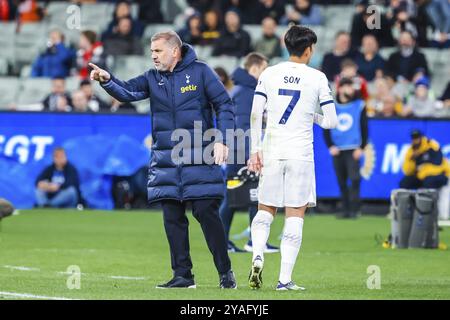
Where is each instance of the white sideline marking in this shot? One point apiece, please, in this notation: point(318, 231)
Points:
point(106, 276)
point(21, 268)
point(31, 296)
point(444, 223)
point(127, 278)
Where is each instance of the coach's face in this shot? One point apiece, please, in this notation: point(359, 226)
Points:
point(163, 54)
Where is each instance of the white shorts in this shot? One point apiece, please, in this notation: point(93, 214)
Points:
point(287, 183)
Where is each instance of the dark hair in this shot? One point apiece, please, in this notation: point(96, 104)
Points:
point(345, 81)
point(416, 133)
point(58, 149)
point(223, 75)
point(85, 82)
point(90, 35)
point(254, 58)
point(298, 38)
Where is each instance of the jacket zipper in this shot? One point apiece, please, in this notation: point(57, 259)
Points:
point(175, 127)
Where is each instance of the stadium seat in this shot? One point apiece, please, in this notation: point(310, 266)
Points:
point(171, 8)
point(151, 29)
point(127, 67)
point(99, 91)
point(228, 63)
point(33, 90)
point(387, 51)
point(29, 42)
point(90, 14)
point(142, 106)
point(203, 52)
point(340, 15)
point(25, 71)
point(3, 66)
point(255, 32)
point(7, 41)
point(72, 83)
point(280, 31)
point(58, 13)
point(9, 87)
point(134, 10)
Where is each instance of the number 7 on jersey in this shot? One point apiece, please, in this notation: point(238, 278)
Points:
point(295, 94)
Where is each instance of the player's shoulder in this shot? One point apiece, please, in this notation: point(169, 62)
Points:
point(269, 70)
point(315, 72)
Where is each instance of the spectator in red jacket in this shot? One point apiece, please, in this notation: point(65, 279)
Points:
point(90, 50)
point(8, 10)
point(349, 69)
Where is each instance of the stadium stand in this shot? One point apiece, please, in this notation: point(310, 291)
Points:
point(21, 46)
point(9, 87)
point(32, 92)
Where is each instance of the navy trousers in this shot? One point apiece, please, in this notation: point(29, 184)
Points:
point(176, 224)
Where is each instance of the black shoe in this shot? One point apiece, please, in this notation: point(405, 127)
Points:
point(178, 282)
point(228, 281)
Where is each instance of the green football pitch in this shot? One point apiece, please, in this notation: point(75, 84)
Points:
point(123, 255)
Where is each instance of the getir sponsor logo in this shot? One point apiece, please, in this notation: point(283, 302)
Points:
point(190, 87)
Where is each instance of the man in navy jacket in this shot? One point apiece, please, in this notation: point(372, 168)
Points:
point(245, 80)
point(58, 185)
point(57, 59)
point(184, 96)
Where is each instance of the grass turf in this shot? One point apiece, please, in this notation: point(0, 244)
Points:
point(332, 263)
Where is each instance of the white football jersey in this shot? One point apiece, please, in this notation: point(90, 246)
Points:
point(293, 92)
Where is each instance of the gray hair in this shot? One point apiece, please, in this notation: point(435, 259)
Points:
point(170, 36)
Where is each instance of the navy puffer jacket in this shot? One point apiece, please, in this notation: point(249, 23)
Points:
point(192, 92)
point(242, 96)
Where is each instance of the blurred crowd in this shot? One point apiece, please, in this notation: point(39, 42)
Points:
point(396, 87)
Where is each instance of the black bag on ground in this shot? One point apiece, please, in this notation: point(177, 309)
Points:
point(402, 211)
point(424, 228)
point(242, 190)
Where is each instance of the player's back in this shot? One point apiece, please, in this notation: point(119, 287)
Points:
point(292, 91)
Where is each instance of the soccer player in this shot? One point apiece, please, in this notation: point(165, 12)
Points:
point(290, 92)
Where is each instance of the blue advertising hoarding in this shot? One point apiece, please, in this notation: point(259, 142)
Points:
point(381, 171)
point(101, 146)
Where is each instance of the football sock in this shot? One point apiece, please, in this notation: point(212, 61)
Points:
point(290, 246)
point(260, 231)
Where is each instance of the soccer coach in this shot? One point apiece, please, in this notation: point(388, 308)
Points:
point(182, 90)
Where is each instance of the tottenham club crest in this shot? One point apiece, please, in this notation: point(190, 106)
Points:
point(187, 78)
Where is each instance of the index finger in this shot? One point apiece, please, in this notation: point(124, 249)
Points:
point(94, 66)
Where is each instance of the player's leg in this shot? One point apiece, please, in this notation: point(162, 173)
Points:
point(66, 198)
point(226, 216)
point(260, 231)
point(291, 241)
point(176, 225)
point(355, 182)
point(299, 194)
point(252, 211)
point(41, 198)
point(342, 177)
point(206, 211)
point(270, 196)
